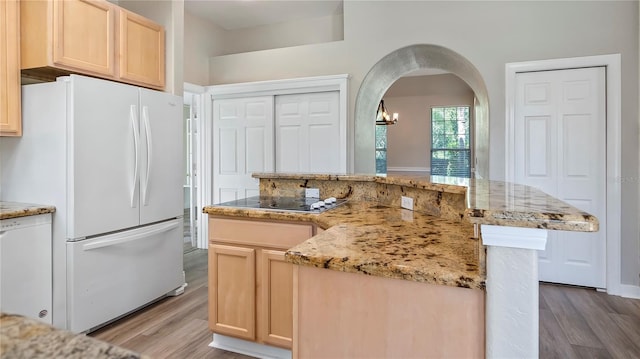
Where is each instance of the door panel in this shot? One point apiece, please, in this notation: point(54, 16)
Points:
point(308, 132)
point(232, 291)
point(560, 120)
point(276, 304)
point(537, 161)
point(83, 36)
point(161, 157)
point(243, 144)
point(102, 157)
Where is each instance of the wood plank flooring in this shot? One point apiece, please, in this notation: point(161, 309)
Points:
point(174, 327)
point(574, 323)
point(583, 323)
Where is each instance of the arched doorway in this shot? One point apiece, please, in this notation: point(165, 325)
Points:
point(395, 65)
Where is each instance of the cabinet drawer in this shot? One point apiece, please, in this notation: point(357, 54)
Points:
point(258, 233)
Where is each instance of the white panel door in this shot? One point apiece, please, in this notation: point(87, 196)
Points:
point(103, 129)
point(308, 132)
point(161, 157)
point(560, 132)
point(243, 144)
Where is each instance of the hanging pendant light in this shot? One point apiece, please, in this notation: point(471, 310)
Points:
point(382, 116)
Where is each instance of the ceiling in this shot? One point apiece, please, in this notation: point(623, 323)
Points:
point(239, 14)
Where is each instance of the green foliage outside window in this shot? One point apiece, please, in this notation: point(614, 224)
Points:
point(381, 149)
point(450, 141)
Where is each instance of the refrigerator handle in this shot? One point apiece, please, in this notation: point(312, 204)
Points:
point(148, 137)
point(121, 238)
point(136, 138)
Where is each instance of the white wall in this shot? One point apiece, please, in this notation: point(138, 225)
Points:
point(294, 33)
point(489, 34)
point(409, 141)
point(202, 40)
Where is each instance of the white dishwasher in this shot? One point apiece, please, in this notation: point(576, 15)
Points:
point(25, 266)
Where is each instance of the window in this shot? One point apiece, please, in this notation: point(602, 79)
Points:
point(450, 141)
point(381, 149)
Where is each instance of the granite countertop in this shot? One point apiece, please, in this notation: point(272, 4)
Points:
point(371, 235)
point(487, 201)
point(516, 205)
point(22, 337)
point(15, 209)
point(368, 238)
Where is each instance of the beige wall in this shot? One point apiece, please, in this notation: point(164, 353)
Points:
point(294, 33)
point(409, 141)
point(202, 40)
point(489, 34)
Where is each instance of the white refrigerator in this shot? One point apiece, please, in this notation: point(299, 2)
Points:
point(108, 156)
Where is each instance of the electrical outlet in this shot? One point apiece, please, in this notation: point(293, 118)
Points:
point(312, 192)
point(406, 202)
point(406, 215)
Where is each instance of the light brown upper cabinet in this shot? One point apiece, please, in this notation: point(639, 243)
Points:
point(10, 119)
point(91, 37)
point(142, 50)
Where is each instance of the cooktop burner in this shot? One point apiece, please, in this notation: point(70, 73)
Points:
point(309, 205)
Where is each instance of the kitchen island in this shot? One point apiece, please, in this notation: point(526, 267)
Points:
point(435, 251)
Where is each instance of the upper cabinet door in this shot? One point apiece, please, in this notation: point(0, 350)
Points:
point(10, 119)
point(83, 36)
point(141, 50)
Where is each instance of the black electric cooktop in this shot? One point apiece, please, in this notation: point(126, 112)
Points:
point(292, 204)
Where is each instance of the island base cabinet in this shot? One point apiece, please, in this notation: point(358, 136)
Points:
point(250, 282)
point(348, 315)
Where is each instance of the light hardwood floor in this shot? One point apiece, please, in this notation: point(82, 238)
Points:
point(574, 323)
point(174, 327)
point(583, 323)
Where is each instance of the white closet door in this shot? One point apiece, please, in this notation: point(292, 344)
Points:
point(560, 132)
point(308, 132)
point(243, 144)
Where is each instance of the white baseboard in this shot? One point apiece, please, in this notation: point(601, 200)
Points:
point(628, 291)
point(249, 348)
point(409, 169)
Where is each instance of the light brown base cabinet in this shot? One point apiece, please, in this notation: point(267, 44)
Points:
point(250, 284)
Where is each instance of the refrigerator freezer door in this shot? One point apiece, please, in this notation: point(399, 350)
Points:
point(161, 155)
point(112, 275)
point(103, 127)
